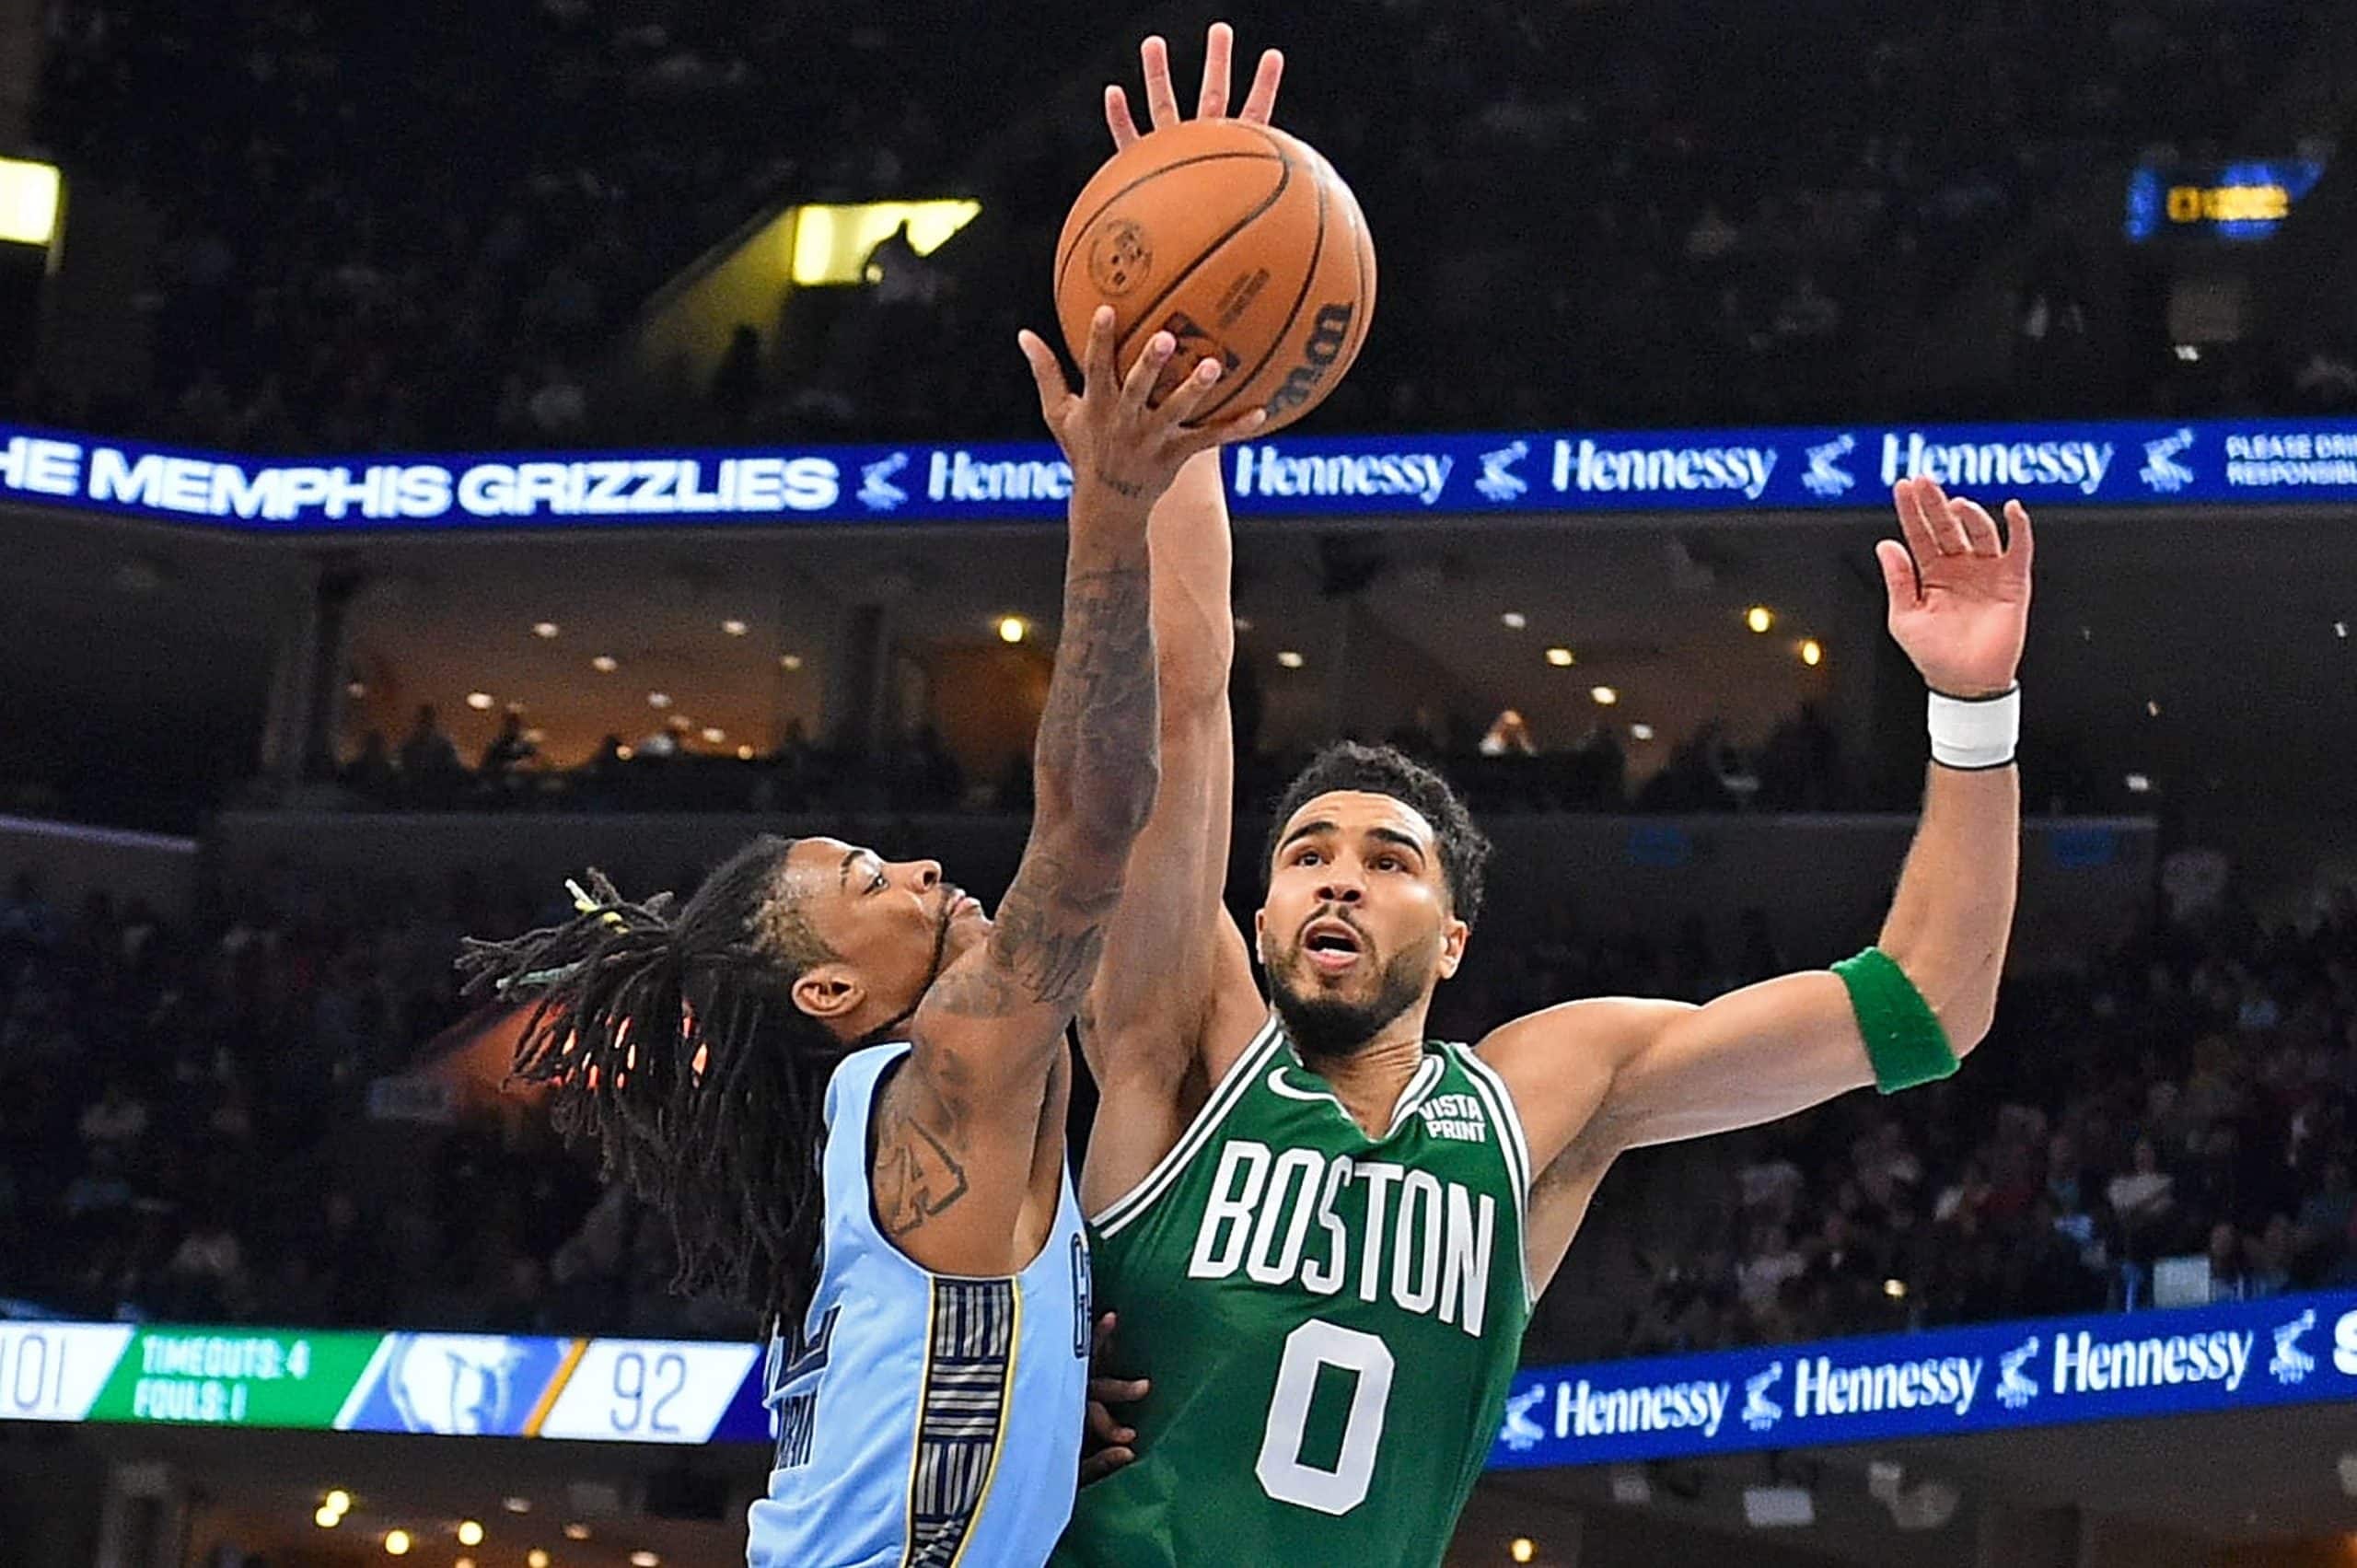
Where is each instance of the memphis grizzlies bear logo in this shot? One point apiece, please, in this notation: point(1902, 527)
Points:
point(457, 1385)
point(876, 490)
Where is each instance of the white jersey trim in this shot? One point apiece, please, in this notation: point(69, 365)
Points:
point(1515, 1151)
point(1230, 1089)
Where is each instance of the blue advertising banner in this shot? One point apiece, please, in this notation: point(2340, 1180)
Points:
point(2233, 1355)
point(2212, 463)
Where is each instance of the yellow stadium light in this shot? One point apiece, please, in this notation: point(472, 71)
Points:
point(1290, 659)
point(396, 1543)
point(1605, 695)
point(1812, 652)
point(328, 1518)
point(1012, 629)
point(469, 1533)
point(536, 1558)
point(1561, 657)
point(1760, 618)
point(337, 1502)
point(30, 196)
point(1523, 1549)
point(831, 242)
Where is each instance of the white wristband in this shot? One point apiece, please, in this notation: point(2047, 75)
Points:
point(1976, 732)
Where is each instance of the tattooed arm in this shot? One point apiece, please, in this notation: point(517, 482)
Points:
point(959, 1126)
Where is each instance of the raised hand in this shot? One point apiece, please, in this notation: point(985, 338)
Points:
point(1210, 100)
point(1123, 447)
point(1960, 592)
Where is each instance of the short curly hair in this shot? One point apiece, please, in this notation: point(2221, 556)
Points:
point(1380, 769)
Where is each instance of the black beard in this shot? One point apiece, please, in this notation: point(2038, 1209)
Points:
point(1325, 1025)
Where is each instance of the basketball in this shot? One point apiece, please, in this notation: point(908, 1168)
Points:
point(1241, 242)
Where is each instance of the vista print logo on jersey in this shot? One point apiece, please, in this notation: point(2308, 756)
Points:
point(1827, 479)
point(876, 490)
point(2162, 472)
point(1498, 481)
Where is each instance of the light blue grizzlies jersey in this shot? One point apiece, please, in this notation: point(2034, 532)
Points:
point(923, 1420)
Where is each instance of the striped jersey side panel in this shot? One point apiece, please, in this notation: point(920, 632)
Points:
point(968, 1380)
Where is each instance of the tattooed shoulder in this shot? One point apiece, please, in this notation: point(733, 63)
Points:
point(917, 1174)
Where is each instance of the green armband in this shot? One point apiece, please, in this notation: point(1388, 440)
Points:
point(1904, 1040)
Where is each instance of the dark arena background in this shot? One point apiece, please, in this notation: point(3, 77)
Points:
point(447, 448)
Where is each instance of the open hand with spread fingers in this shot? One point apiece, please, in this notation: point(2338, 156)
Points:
point(1210, 98)
point(1959, 589)
point(1125, 449)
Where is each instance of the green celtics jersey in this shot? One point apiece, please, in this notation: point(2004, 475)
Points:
point(1330, 1321)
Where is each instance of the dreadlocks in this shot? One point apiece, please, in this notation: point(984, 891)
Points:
point(674, 1047)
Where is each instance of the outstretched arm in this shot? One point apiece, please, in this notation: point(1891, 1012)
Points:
point(1176, 997)
point(958, 1125)
point(1593, 1078)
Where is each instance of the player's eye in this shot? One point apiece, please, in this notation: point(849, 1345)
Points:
point(1388, 863)
point(1307, 857)
point(879, 884)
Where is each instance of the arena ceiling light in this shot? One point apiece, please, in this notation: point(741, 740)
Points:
point(516, 1504)
point(1290, 659)
point(1812, 652)
point(1561, 658)
point(604, 664)
point(1514, 621)
point(735, 628)
point(31, 194)
point(1522, 1548)
point(1605, 696)
point(1012, 629)
point(536, 1558)
point(469, 1532)
point(644, 1560)
point(545, 629)
point(789, 661)
point(1760, 619)
point(831, 242)
point(577, 1532)
point(1641, 732)
point(480, 702)
point(396, 1543)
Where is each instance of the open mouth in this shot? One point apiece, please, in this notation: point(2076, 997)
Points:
point(1331, 945)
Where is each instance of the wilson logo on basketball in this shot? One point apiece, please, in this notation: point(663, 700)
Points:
point(1118, 257)
point(1327, 337)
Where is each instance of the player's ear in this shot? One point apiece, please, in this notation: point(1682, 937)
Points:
point(1454, 933)
point(828, 991)
point(1260, 936)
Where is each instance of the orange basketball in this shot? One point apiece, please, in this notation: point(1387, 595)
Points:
point(1241, 242)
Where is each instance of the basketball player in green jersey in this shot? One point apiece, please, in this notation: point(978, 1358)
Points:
point(1321, 1233)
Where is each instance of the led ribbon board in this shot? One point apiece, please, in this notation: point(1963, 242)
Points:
point(2206, 463)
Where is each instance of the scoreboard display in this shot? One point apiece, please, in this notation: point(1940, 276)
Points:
point(2242, 200)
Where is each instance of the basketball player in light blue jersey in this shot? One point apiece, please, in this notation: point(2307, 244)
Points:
point(845, 1087)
